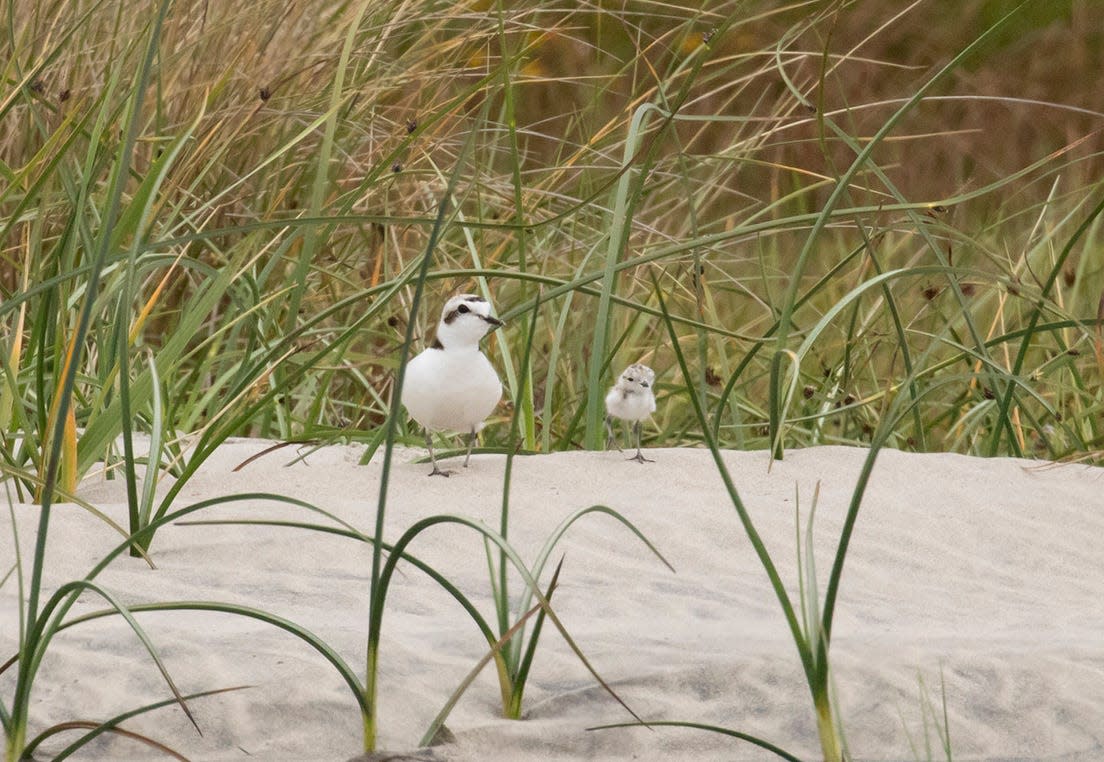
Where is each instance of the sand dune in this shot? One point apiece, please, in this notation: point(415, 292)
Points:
point(987, 574)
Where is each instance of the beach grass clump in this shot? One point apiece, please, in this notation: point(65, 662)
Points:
point(257, 275)
point(821, 223)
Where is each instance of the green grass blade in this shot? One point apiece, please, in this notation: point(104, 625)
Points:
point(322, 169)
point(745, 518)
point(72, 590)
point(766, 745)
point(112, 725)
point(327, 652)
point(156, 446)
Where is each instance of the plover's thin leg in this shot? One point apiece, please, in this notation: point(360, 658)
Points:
point(639, 457)
point(471, 443)
point(609, 433)
point(429, 446)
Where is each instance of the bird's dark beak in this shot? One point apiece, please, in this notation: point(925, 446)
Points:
point(493, 322)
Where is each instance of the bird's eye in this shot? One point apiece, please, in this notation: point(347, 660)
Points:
point(463, 309)
point(630, 379)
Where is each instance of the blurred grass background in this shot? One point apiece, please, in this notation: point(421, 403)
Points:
point(290, 157)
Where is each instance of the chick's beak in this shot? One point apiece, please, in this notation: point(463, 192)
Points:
point(493, 322)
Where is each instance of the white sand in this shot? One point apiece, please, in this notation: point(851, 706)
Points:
point(989, 573)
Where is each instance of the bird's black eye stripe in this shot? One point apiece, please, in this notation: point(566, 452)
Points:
point(463, 309)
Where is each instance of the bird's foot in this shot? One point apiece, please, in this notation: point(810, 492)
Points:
point(438, 472)
point(639, 458)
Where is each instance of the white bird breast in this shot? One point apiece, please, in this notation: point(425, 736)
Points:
point(635, 405)
point(451, 390)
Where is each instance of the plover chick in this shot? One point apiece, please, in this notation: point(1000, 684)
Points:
point(451, 385)
point(631, 399)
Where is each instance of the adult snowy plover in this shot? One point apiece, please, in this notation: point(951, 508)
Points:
point(451, 386)
point(631, 399)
